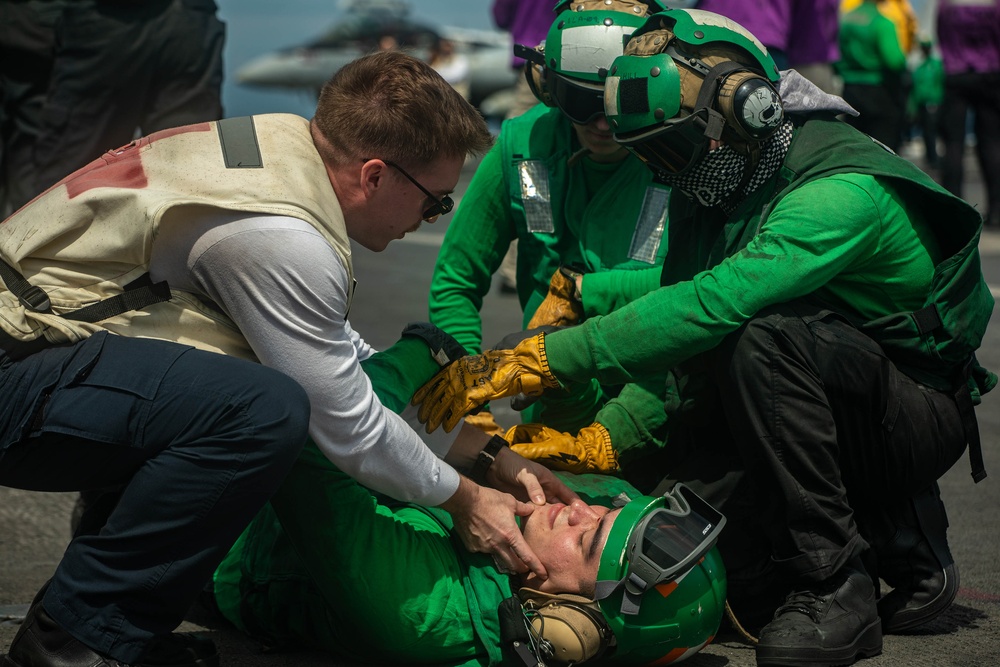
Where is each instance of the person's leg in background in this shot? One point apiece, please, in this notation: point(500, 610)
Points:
point(27, 36)
point(120, 68)
point(986, 107)
point(954, 125)
point(187, 79)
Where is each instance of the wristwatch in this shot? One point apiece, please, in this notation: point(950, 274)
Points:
point(486, 458)
point(574, 273)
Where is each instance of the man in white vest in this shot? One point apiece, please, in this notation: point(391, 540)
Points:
point(173, 321)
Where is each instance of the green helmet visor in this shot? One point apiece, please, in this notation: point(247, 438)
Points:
point(643, 103)
point(665, 544)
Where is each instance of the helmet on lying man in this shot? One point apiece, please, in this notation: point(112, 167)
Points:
point(660, 593)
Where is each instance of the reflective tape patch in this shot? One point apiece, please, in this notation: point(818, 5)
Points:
point(239, 143)
point(585, 48)
point(535, 197)
point(650, 225)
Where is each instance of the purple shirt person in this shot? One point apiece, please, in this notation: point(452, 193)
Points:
point(969, 38)
point(795, 32)
point(969, 35)
point(527, 21)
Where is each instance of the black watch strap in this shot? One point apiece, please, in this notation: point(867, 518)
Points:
point(486, 458)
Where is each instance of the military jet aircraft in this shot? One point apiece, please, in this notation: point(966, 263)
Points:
point(365, 27)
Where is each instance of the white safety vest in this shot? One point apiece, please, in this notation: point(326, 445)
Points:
point(90, 235)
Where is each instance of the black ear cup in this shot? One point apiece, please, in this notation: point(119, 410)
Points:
point(751, 105)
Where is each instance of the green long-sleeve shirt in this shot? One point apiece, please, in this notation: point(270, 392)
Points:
point(590, 218)
point(607, 218)
point(869, 46)
point(851, 238)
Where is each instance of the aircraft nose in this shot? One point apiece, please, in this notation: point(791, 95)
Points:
point(261, 71)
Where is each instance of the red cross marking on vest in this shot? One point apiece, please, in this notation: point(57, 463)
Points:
point(122, 167)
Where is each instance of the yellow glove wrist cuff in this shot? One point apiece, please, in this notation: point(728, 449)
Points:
point(602, 456)
point(530, 354)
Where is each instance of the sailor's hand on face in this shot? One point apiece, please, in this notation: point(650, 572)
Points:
point(484, 520)
point(526, 479)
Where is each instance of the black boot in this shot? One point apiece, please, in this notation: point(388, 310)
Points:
point(832, 623)
point(917, 563)
point(41, 642)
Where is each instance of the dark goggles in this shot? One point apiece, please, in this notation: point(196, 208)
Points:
point(672, 148)
point(580, 102)
point(670, 541)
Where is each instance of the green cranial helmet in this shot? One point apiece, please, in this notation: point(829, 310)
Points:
point(661, 585)
point(568, 71)
point(659, 596)
point(688, 76)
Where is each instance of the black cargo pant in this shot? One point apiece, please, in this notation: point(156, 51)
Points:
point(818, 424)
point(198, 441)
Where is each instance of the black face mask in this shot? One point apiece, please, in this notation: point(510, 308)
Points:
point(715, 178)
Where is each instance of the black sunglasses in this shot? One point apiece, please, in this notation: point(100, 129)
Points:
point(439, 207)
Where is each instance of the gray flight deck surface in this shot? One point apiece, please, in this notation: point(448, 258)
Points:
point(392, 290)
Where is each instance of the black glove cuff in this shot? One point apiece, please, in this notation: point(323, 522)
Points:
point(442, 346)
point(486, 458)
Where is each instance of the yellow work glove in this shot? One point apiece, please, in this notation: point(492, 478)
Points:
point(472, 381)
point(561, 307)
point(589, 451)
point(485, 422)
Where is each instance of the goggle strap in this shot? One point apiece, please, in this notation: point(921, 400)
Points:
point(706, 97)
point(713, 130)
point(528, 53)
point(631, 596)
point(606, 588)
point(631, 602)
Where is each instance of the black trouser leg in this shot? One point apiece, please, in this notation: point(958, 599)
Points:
point(819, 414)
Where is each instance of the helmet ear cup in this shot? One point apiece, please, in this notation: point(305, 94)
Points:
point(750, 105)
point(572, 633)
point(535, 74)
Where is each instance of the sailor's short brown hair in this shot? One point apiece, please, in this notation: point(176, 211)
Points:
point(392, 106)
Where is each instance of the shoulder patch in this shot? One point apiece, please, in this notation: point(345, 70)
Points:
point(240, 149)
